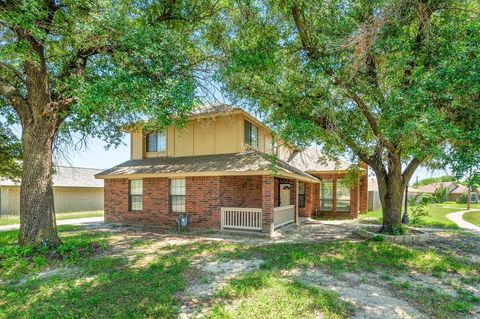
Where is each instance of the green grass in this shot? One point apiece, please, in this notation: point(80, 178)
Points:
point(264, 295)
point(119, 284)
point(12, 220)
point(437, 217)
point(472, 217)
point(436, 302)
point(337, 257)
point(455, 205)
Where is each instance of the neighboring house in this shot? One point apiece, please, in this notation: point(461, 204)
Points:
point(454, 190)
point(75, 189)
point(221, 170)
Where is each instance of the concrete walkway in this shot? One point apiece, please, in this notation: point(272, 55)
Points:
point(78, 221)
point(457, 218)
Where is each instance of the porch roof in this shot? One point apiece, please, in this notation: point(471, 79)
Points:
point(248, 162)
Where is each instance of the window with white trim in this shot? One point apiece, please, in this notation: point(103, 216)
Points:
point(177, 195)
point(326, 195)
point(135, 192)
point(251, 134)
point(342, 196)
point(301, 194)
point(156, 142)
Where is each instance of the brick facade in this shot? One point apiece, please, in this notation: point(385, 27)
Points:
point(206, 195)
point(358, 196)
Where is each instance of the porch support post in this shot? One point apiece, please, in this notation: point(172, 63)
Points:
point(295, 185)
point(268, 193)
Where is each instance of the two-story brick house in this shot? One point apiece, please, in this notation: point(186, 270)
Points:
point(224, 169)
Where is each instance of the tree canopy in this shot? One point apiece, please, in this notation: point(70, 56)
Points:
point(89, 67)
point(380, 80)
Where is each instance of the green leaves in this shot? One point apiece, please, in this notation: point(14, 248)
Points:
point(119, 61)
point(10, 154)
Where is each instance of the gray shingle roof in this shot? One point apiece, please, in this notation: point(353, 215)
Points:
point(66, 176)
point(211, 108)
point(246, 161)
point(311, 160)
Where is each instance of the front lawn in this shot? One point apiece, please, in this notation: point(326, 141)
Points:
point(437, 217)
point(121, 273)
point(12, 220)
point(472, 217)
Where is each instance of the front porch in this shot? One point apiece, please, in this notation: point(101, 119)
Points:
point(279, 207)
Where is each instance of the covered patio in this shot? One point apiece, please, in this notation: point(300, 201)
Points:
point(277, 200)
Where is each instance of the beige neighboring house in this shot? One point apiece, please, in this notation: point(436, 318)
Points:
point(454, 190)
point(75, 189)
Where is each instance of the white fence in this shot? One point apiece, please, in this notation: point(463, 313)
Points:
point(283, 215)
point(241, 218)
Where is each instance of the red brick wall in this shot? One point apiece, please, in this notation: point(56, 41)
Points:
point(204, 197)
point(364, 191)
point(313, 197)
point(241, 191)
point(268, 198)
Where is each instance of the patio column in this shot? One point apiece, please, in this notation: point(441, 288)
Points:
point(295, 186)
point(268, 193)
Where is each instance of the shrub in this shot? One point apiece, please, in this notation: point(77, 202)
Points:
point(462, 199)
point(417, 212)
point(440, 194)
point(427, 199)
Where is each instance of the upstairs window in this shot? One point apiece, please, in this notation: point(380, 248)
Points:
point(251, 134)
point(135, 192)
point(177, 195)
point(156, 142)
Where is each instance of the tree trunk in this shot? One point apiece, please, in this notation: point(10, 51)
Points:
point(37, 215)
point(391, 188)
point(391, 194)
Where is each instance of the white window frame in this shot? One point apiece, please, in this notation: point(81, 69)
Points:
point(136, 192)
point(160, 142)
point(177, 192)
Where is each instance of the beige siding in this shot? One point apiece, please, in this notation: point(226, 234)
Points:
point(211, 135)
point(136, 139)
point(77, 199)
point(184, 140)
point(203, 137)
point(67, 199)
point(226, 135)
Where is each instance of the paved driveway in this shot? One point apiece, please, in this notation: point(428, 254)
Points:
point(457, 218)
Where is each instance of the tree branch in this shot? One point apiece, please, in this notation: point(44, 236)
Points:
point(410, 169)
point(17, 101)
point(78, 63)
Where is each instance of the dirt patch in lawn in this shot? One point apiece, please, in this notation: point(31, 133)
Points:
point(370, 297)
point(208, 277)
point(459, 243)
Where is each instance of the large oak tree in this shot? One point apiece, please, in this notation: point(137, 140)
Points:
point(368, 78)
point(88, 66)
